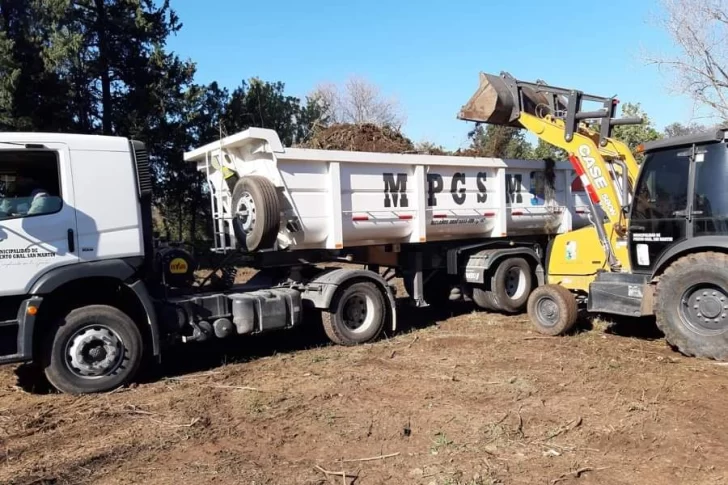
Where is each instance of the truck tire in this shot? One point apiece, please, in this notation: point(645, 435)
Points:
point(552, 310)
point(256, 213)
point(95, 348)
point(484, 299)
point(691, 305)
point(357, 314)
point(511, 285)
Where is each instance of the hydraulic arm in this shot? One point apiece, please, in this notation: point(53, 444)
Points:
point(605, 166)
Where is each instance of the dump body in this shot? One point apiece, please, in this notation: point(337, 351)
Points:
point(336, 199)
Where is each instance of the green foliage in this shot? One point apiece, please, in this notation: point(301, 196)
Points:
point(101, 67)
point(545, 150)
point(679, 129)
point(500, 142)
point(633, 135)
point(265, 105)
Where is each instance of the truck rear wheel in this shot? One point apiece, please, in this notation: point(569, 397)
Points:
point(511, 285)
point(95, 348)
point(484, 299)
point(552, 310)
point(256, 213)
point(357, 314)
point(691, 305)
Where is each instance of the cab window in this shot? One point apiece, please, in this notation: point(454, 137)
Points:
point(663, 187)
point(29, 184)
point(710, 201)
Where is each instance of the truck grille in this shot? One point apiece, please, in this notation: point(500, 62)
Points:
point(144, 174)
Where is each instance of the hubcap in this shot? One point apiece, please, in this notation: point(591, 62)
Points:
point(94, 351)
point(357, 312)
point(245, 212)
point(515, 283)
point(705, 309)
point(547, 311)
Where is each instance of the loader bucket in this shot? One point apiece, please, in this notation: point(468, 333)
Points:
point(492, 103)
point(497, 101)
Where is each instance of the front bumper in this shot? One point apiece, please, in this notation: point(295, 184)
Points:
point(16, 336)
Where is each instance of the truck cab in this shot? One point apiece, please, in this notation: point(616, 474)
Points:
point(88, 293)
point(73, 232)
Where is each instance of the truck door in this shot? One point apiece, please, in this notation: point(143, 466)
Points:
point(37, 215)
point(659, 208)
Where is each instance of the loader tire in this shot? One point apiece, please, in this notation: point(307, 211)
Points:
point(552, 310)
point(511, 285)
point(357, 314)
point(484, 299)
point(256, 213)
point(95, 348)
point(691, 305)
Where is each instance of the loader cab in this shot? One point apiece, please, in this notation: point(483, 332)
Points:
point(680, 199)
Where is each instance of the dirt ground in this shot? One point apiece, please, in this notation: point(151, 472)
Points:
point(461, 397)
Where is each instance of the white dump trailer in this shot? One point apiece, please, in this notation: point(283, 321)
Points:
point(267, 196)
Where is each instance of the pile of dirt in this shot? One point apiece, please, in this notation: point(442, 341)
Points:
point(363, 138)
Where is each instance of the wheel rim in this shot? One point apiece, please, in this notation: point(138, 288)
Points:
point(547, 311)
point(704, 308)
point(93, 352)
point(515, 282)
point(245, 212)
point(358, 312)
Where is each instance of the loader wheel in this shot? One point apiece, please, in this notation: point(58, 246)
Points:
point(552, 310)
point(484, 299)
point(511, 285)
point(691, 305)
point(356, 316)
point(256, 213)
point(95, 348)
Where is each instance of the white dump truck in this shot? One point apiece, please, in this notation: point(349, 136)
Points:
point(87, 292)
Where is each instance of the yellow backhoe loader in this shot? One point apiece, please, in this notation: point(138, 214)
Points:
point(658, 243)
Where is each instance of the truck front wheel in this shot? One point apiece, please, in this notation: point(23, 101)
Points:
point(357, 314)
point(95, 348)
point(691, 305)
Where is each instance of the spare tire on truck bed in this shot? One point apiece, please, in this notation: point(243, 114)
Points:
point(256, 212)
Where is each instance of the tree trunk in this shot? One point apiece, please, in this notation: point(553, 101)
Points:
point(101, 29)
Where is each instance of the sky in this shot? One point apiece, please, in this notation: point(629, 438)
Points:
point(428, 54)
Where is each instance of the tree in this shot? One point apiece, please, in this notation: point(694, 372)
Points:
point(698, 28)
point(430, 148)
point(634, 135)
point(33, 96)
point(545, 150)
point(265, 105)
point(678, 129)
point(358, 101)
point(500, 142)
